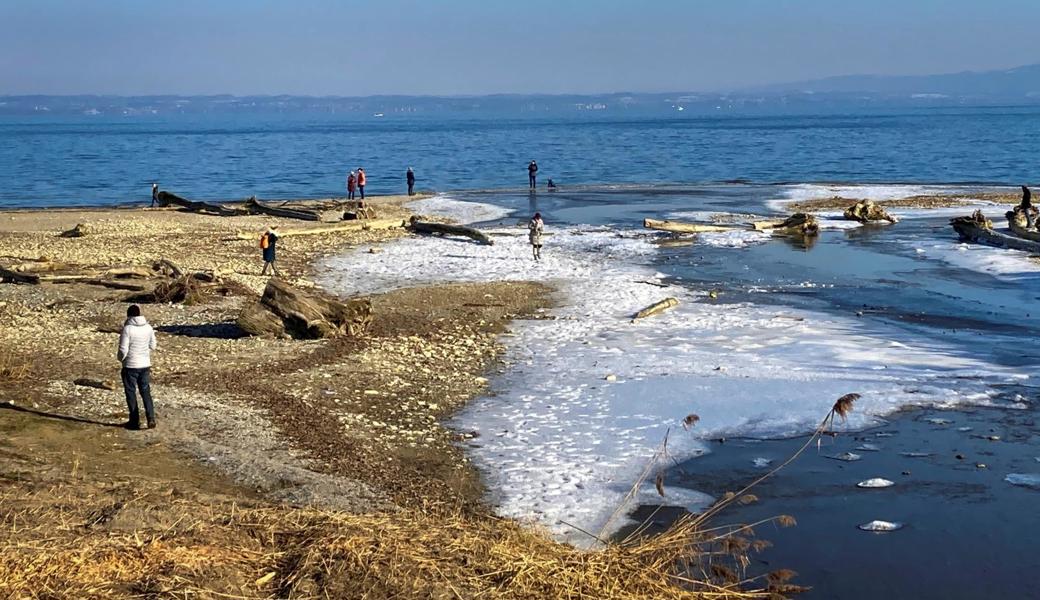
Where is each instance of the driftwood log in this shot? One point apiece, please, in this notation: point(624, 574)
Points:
point(427, 228)
point(79, 230)
point(285, 211)
point(681, 227)
point(655, 308)
point(867, 211)
point(287, 311)
point(977, 228)
point(167, 199)
point(798, 224)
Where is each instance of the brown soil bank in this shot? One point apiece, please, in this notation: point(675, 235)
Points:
point(280, 468)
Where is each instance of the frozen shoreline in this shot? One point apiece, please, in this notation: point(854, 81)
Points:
point(560, 444)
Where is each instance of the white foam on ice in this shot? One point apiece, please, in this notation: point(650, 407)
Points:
point(562, 446)
point(460, 212)
point(1009, 265)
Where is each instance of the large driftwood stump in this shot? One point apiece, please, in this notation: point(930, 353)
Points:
point(285, 310)
point(866, 211)
point(427, 228)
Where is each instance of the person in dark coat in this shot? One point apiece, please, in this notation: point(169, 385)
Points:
point(532, 169)
point(268, 241)
point(410, 177)
point(155, 194)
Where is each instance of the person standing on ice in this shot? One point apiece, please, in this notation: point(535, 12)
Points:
point(532, 170)
point(534, 235)
point(410, 179)
point(362, 179)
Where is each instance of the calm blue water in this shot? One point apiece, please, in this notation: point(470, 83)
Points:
point(102, 160)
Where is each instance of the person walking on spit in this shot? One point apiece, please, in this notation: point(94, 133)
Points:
point(268, 241)
point(410, 177)
point(534, 235)
point(136, 343)
point(351, 185)
point(532, 168)
point(155, 194)
point(361, 182)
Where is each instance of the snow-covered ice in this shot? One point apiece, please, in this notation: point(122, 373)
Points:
point(561, 446)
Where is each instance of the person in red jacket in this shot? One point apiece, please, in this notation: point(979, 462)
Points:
point(361, 182)
point(351, 185)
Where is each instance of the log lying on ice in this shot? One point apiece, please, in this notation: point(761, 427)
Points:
point(681, 227)
point(657, 307)
point(285, 310)
point(294, 212)
point(167, 199)
point(867, 211)
point(1019, 221)
point(977, 228)
point(373, 224)
point(444, 229)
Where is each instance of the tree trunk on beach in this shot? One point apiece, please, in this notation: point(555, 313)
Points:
point(295, 212)
point(444, 229)
point(166, 199)
point(285, 310)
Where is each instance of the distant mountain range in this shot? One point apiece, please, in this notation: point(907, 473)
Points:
point(1013, 84)
point(1018, 86)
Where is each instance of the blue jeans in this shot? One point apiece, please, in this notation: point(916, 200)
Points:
point(138, 379)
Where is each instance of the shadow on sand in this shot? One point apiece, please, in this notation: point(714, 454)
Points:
point(40, 413)
point(223, 331)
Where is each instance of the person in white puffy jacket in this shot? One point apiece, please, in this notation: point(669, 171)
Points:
point(136, 343)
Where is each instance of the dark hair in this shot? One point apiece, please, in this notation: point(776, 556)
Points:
point(133, 311)
point(538, 215)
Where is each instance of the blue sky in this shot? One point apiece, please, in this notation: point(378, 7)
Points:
point(452, 47)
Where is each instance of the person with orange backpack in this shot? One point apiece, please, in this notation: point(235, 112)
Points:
point(268, 241)
point(361, 182)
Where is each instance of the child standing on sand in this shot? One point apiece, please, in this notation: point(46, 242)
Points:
point(534, 235)
point(267, 244)
point(351, 185)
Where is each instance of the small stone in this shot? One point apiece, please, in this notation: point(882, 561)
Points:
point(611, 377)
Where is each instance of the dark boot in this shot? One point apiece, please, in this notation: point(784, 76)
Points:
point(151, 423)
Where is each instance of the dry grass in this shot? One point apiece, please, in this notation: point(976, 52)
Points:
point(13, 368)
point(71, 547)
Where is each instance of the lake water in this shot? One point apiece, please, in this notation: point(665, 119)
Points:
point(103, 159)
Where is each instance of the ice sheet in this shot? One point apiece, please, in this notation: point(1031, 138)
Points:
point(460, 212)
point(561, 445)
